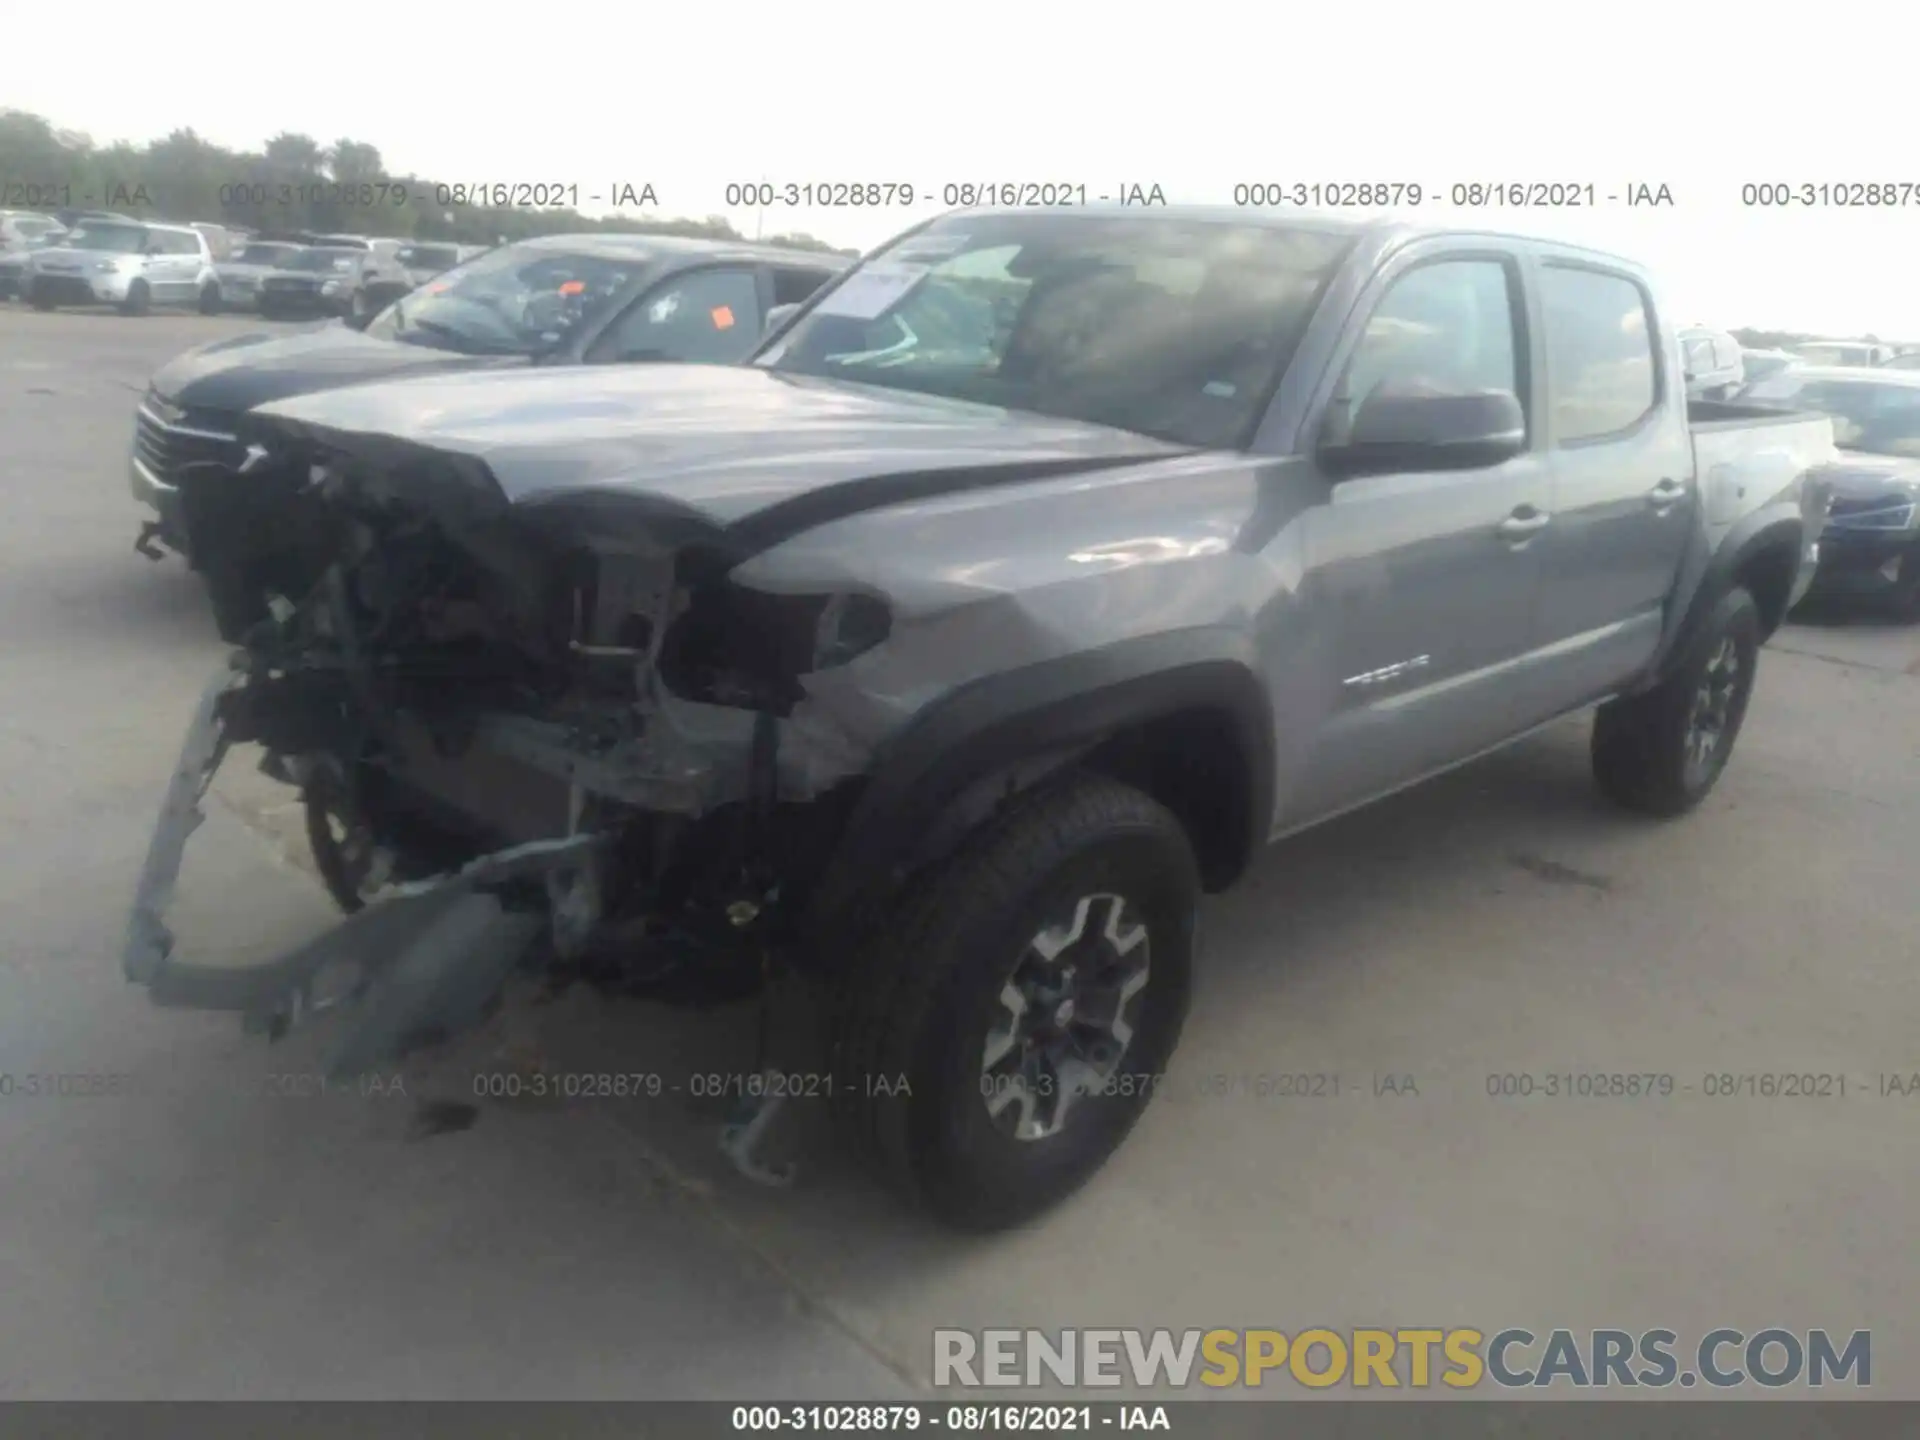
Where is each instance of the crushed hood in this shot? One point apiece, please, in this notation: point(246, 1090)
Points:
point(718, 443)
point(251, 370)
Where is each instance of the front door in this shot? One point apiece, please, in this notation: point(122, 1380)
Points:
point(1418, 587)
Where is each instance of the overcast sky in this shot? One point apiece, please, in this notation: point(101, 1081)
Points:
point(1195, 97)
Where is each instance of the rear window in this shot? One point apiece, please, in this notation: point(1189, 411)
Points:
point(1601, 370)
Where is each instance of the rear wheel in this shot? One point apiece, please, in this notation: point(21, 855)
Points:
point(38, 297)
point(1001, 1030)
point(210, 299)
point(139, 299)
point(1662, 752)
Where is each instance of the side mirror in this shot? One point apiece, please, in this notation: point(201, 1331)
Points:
point(776, 317)
point(1395, 430)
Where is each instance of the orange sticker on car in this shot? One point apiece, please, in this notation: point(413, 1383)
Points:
point(722, 317)
point(573, 287)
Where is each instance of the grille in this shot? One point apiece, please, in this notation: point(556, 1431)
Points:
point(197, 435)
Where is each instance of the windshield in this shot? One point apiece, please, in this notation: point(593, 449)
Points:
point(1878, 419)
point(265, 254)
point(1174, 329)
point(518, 300)
point(322, 261)
point(114, 239)
point(429, 257)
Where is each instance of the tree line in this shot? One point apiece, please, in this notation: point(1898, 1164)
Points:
point(292, 183)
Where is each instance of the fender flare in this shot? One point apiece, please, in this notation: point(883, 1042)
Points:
point(1775, 527)
point(1051, 712)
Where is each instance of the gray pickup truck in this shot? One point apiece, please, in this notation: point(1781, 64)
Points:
point(934, 664)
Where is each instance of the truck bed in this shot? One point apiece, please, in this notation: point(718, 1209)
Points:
point(1750, 455)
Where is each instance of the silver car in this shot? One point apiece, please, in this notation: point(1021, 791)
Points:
point(129, 265)
point(20, 232)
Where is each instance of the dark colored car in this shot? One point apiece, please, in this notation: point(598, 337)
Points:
point(316, 281)
point(411, 267)
point(558, 300)
point(1871, 545)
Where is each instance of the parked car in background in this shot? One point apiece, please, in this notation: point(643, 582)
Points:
point(1870, 547)
point(946, 685)
point(318, 280)
point(354, 269)
point(413, 266)
point(1861, 354)
point(241, 273)
point(220, 240)
point(1760, 364)
point(21, 231)
point(558, 300)
point(1711, 362)
point(128, 264)
point(1905, 360)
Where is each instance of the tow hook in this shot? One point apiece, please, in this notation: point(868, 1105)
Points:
point(144, 544)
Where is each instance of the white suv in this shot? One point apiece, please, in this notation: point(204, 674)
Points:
point(130, 264)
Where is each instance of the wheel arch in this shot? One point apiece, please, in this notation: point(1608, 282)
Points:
point(1183, 716)
point(1763, 552)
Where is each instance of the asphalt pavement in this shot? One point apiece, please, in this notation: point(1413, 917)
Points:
point(207, 1227)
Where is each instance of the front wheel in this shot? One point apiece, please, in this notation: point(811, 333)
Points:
point(38, 297)
point(1662, 752)
point(999, 1033)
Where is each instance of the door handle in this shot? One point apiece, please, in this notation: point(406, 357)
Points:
point(1522, 525)
point(1664, 496)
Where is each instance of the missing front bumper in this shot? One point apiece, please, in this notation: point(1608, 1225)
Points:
point(421, 964)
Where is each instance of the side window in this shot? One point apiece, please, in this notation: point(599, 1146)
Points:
point(1445, 328)
point(793, 283)
point(180, 242)
point(1600, 359)
point(707, 317)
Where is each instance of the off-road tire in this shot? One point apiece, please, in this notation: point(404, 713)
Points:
point(915, 999)
point(1640, 743)
point(139, 299)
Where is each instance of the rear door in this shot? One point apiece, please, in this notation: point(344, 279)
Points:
point(1625, 496)
point(1421, 584)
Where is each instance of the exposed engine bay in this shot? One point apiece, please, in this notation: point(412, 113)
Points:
point(510, 708)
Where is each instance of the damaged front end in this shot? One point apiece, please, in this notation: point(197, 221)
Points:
point(542, 734)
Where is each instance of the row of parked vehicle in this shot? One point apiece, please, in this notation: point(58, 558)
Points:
point(931, 634)
point(136, 265)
